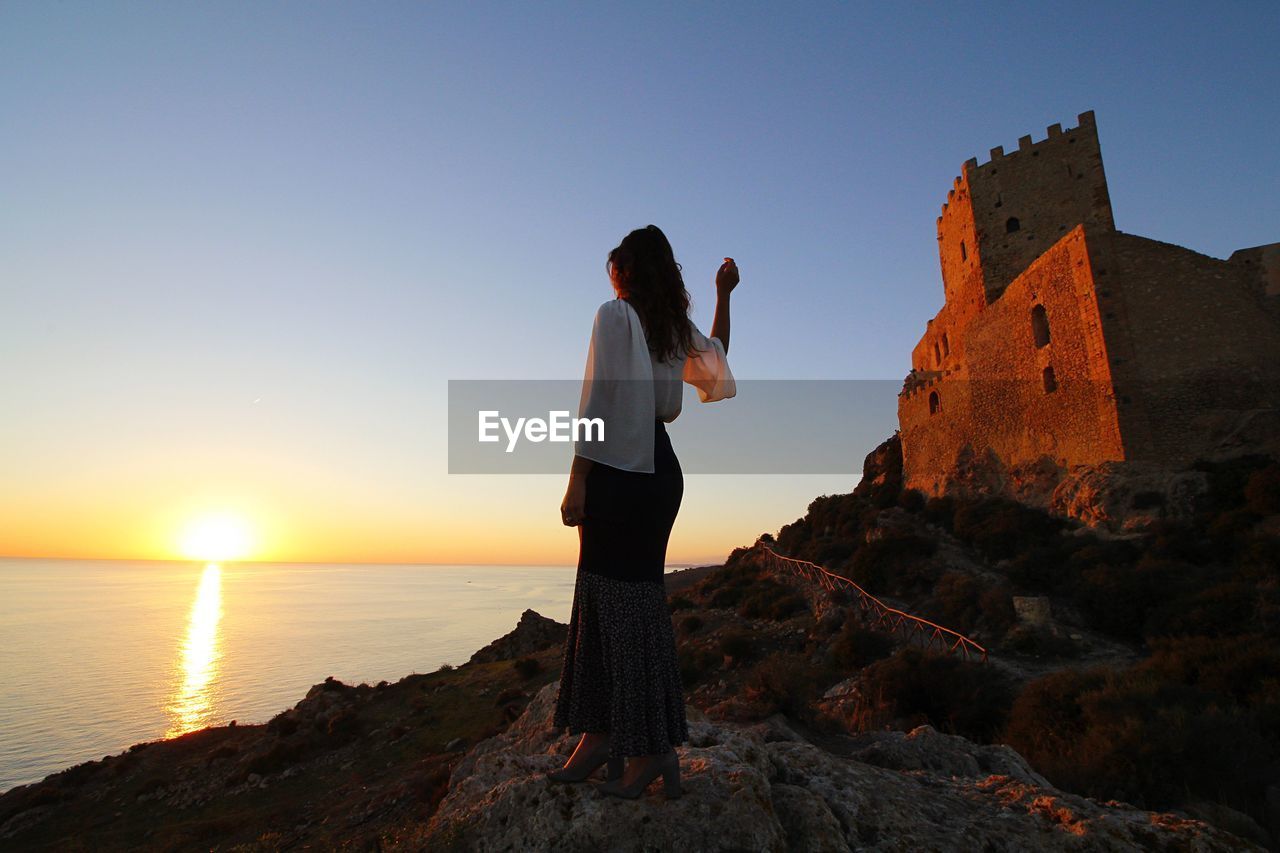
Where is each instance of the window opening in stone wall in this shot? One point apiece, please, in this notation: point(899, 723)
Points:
point(1039, 326)
point(964, 256)
point(946, 345)
point(935, 403)
point(1011, 224)
point(937, 354)
point(1050, 381)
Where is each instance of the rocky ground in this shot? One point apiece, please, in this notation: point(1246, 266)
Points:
point(765, 787)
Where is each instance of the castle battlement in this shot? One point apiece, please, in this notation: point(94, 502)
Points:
point(1025, 144)
point(1085, 122)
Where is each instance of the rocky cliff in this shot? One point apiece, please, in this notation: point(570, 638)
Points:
point(765, 787)
point(532, 633)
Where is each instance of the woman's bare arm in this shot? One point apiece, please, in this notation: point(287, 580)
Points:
point(580, 468)
point(726, 281)
point(720, 325)
point(574, 504)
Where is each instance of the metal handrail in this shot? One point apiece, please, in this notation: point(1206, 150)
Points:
point(891, 619)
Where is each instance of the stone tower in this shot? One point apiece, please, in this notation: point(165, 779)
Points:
point(1063, 342)
point(1002, 215)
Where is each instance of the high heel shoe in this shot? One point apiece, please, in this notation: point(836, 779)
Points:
point(668, 766)
point(589, 764)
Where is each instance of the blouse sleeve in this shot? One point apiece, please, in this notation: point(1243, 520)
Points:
point(707, 369)
point(617, 388)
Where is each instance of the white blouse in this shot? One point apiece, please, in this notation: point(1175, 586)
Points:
point(628, 388)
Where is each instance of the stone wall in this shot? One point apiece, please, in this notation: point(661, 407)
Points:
point(1192, 347)
point(1003, 396)
point(1263, 265)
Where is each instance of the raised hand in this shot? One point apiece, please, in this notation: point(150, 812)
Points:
point(726, 277)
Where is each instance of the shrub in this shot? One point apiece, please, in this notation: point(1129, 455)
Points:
point(941, 511)
point(1049, 719)
point(1039, 642)
point(830, 531)
point(696, 662)
point(1259, 560)
point(831, 551)
point(1002, 528)
point(856, 646)
point(912, 500)
point(679, 602)
point(1262, 490)
point(690, 624)
point(344, 724)
point(1116, 599)
point(279, 756)
point(794, 536)
point(951, 694)
point(1147, 500)
point(1221, 610)
point(884, 495)
point(772, 601)
point(1175, 539)
point(284, 724)
point(739, 568)
point(787, 682)
point(738, 645)
point(1196, 721)
point(956, 598)
point(996, 607)
point(527, 667)
point(893, 562)
point(1228, 479)
point(729, 584)
point(727, 597)
point(429, 782)
point(1244, 668)
point(1037, 570)
point(1229, 530)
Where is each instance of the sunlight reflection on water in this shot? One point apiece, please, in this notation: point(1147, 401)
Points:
point(100, 654)
point(192, 704)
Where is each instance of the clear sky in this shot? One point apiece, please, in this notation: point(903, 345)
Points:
point(243, 247)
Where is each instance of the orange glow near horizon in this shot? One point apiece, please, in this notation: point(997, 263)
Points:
point(192, 704)
point(465, 521)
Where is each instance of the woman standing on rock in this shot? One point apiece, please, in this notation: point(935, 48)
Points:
point(620, 684)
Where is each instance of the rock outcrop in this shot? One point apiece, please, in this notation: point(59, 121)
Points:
point(1121, 497)
point(764, 787)
point(882, 468)
point(1126, 496)
point(533, 633)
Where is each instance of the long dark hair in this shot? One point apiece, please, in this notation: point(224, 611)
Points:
point(648, 277)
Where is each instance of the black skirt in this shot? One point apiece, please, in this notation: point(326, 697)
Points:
point(621, 674)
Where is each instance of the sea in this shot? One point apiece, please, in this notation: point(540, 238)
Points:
point(98, 655)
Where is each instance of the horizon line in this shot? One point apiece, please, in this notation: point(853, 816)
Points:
point(676, 565)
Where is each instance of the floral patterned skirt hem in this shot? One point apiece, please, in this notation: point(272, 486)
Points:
point(621, 674)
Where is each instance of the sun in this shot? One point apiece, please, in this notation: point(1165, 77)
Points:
point(217, 537)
